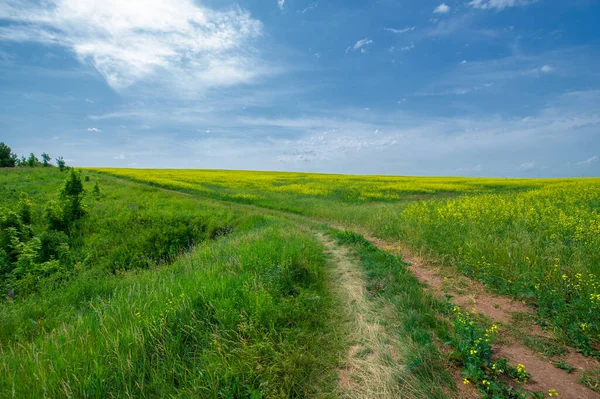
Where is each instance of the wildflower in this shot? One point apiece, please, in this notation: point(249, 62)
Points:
point(466, 381)
point(564, 276)
point(11, 294)
point(473, 352)
point(583, 326)
point(456, 309)
point(552, 392)
point(494, 329)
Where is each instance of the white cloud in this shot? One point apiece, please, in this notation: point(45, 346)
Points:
point(170, 42)
point(545, 69)
point(311, 6)
point(589, 161)
point(527, 165)
point(93, 129)
point(280, 4)
point(362, 43)
point(442, 9)
point(404, 48)
point(499, 4)
point(399, 31)
point(87, 100)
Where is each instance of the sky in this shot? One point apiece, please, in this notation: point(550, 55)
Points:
point(499, 88)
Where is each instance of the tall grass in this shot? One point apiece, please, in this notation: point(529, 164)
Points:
point(245, 316)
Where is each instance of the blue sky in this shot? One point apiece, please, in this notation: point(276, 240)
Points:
point(461, 87)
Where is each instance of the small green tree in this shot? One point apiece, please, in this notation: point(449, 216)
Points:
point(23, 161)
point(46, 159)
point(33, 160)
point(7, 158)
point(60, 162)
point(72, 195)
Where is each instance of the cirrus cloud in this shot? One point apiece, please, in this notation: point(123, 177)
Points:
point(499, 4)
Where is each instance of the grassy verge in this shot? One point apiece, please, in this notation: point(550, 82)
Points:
point(245, 316)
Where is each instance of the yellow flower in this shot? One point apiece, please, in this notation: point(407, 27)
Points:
point(552, 392)
point(466, 381)
point(494, 328)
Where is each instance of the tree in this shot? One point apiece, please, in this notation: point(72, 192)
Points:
point(7, 158)
point(72, 196)
point(32, 160)
point(46, 159)
point(60, 162)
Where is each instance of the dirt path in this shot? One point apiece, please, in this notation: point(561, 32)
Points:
point(371, 364)
point(473, 296)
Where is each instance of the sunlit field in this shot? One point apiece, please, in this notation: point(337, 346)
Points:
point(535, 239)
point(227, 284)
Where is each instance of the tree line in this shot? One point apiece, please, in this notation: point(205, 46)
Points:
point(8, 159)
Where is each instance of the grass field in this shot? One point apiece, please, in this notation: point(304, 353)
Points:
point(225, 284)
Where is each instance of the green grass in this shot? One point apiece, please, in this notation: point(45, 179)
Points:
point(245, 316)
point(167, 295)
